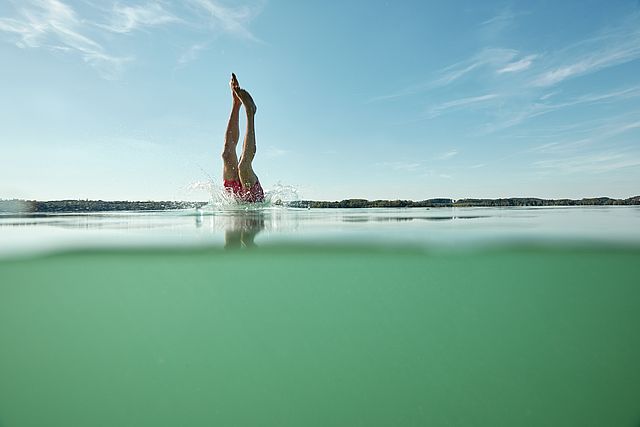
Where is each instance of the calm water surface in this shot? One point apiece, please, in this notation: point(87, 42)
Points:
point(412, 317)
point(443, 228)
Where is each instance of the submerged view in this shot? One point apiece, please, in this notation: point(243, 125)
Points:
point(254, 213)
point(281, 316)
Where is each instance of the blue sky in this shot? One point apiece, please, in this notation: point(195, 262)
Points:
point(373, 99)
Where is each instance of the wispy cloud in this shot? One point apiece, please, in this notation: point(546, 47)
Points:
point(505, 16)
point(447, 155)
point(548, 95)
point(407, 91)
point(457, 104)
point(54, 25)
point(492, 58)
point(456, 71)
point(535, 109)
point(611, 96)
point(580, 147)
point(591, 163)
point(233, 20)
point(400, 166)
point(589, 64)
point(586, 149)
point(519, 65)
point(192, 53)
point(614, 46)
point(126, 19)
point(487, 57)
point(511, 87)
point(498, 24)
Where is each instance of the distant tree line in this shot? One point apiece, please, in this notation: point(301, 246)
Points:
point(436, 203)
point(63, 206)
point(527, 201)
point(363, 203)
point(70, 206)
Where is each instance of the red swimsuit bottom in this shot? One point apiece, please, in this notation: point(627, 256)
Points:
point(250, 195)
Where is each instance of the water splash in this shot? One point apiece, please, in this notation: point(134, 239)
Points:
point(220, 198)
point(281, 195)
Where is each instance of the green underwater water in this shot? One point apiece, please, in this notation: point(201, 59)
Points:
point(294, 335)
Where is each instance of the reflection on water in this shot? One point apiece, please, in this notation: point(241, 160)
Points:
point(242, 230)
point(244, 227)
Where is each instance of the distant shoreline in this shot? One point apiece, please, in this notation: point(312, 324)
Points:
point(76, 206)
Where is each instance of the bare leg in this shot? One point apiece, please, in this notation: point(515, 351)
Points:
point(231, 137)
point(245, 170)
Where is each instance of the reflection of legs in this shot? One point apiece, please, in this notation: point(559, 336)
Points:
point(245, 170)
point(242, 231)
point(253, 227)
point(232, 239)
point(231, 137)
point(236, 239)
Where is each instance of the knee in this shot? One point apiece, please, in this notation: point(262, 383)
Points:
point(245, 162)
point(228, 156)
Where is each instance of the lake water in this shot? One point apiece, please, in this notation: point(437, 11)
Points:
point(287, 317)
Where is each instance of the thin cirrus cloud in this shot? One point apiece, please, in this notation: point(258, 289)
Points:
point(191, 54)
point(53, 25)
point(591, 163)
point(56, 26)
point(586, 147)
point(400, 166)
point(494, 28)
point(457, 104)
point(611, 47)
point(490, 58)
point(580, 136)
point(233, 21)
point(505, 17)
point(589, 63)
point(502, 21)
point(522, 81)
point(448, 155)
point(517, 66)
point(531, 110)
point(126, 19)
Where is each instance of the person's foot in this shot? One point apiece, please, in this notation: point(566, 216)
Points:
point(235, 85)
point(243, 95)
point(247, 101)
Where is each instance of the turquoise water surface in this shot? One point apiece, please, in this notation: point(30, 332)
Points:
point(444, 317)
